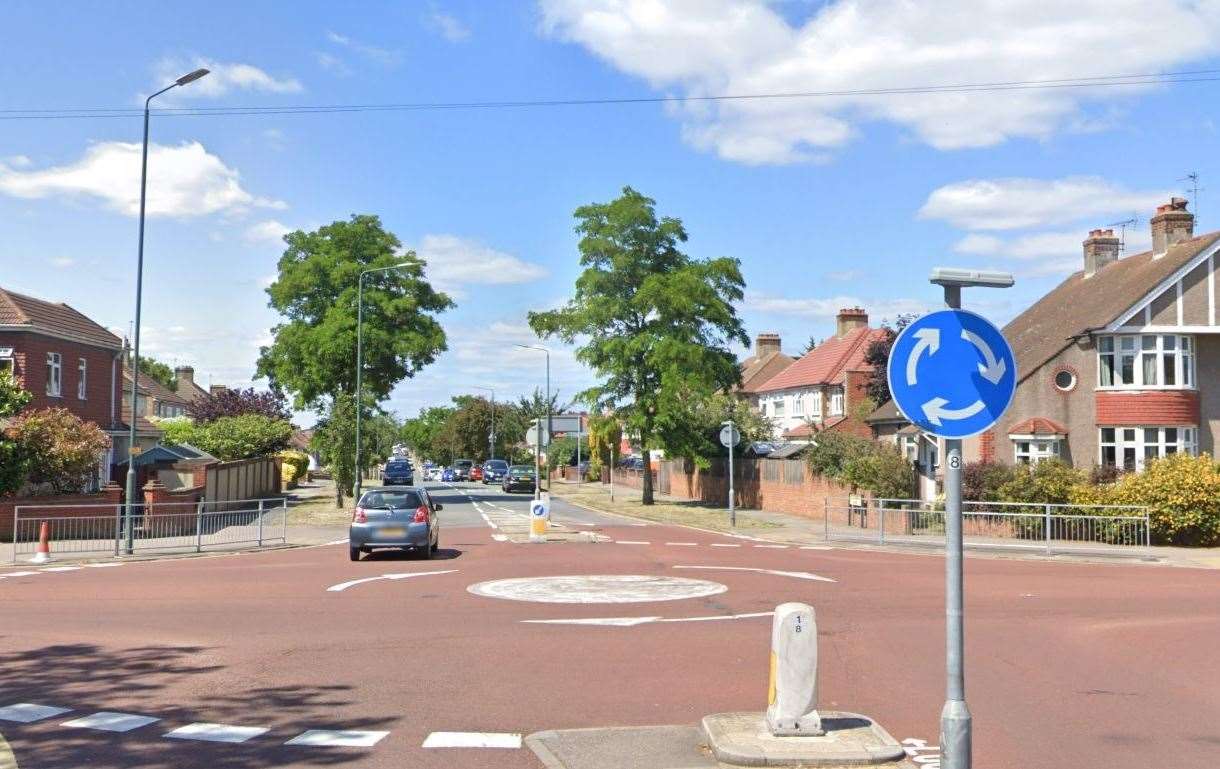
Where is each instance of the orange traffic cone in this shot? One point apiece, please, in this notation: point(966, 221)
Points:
point(43, 554)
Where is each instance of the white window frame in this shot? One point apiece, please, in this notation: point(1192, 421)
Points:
point(836, 403)
point(798, 405)
point(815, 405)
point(777, 407)
point(1032, 449)
point(55, 374)
point(1145, 442)
point(82, 379)
point(1148, 353)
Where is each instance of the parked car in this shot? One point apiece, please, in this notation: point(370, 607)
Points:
point(518, 478)
point(476, 473)
point(403, 519)
point(448, 474)
point(462, 468)
point(494, 470)
point(397, 472)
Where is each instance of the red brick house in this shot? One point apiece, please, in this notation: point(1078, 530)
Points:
point(67, 361)
point(821, 390)
point(767, 360)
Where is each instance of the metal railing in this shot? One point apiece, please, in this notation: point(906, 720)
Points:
point(166, 526)
point(1051, 528)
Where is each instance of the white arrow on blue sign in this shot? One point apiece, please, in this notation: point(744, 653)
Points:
point(952, 373)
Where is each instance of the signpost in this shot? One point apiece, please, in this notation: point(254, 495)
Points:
point(953, 374)
point(538, 438)
point(730, 437)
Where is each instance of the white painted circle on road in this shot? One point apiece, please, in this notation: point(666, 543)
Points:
point(597, 588)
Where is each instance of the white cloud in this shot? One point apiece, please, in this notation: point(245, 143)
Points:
point(386, 57)
point(454, 261)
point(450, 27)
point(222, 79)
point(1015, 203)
point(712, 47)
point(16, 161)
point(184, 180)
point(1053, 253)
point(269, 231)
point(826, 308)
point(63, 262)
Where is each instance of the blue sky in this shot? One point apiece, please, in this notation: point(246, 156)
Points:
point(827, 201)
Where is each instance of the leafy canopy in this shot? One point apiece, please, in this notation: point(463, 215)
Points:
point(228, 438)
point(61, 448)
point(233, 403)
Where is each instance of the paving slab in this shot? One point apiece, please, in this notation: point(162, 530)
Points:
point(629, 747)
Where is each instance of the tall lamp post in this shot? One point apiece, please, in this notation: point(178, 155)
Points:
point(360, 361)
point(491, 438)
point(955, 719)
point(128, 522)
point(548, 391)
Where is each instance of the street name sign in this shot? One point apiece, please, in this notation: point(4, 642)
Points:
point(952, 373)
point(729, 436)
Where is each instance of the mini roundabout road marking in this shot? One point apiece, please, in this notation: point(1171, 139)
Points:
point(352, 583)
point(775, 572)
point(633, 621)
point(597, 588)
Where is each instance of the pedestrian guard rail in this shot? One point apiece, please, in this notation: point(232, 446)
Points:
point(1051, 528)
point(162, 527)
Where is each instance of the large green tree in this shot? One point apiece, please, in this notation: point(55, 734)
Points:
point(313, 356)
point(421, 433)
point(656, 324)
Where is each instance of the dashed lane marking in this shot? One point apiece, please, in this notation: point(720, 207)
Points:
point(472, 740)
point(100, 565)
point(633, 621)
point(327, 738)
point(796, 574)
point(774, 547)
point(18, 574)
point(61, 568)
point(815, 547)
point(28, 713)
point(682, 544)
point(631, 542)
point(216, 732)
point(351, 583)
point(724, 544)
point(110, 721)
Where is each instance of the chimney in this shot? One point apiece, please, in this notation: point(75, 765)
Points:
point(765, 344)
point(217, 389)
point(1100, 249)
point(850, 318)
point(184, 374)
point(1171, 225)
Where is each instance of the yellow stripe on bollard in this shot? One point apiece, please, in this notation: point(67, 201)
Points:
point(771, 681)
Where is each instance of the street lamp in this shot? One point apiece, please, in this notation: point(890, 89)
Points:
point(360, 360)
point(955, 720)
point(491, 439)
point(190, 77)
point(548, 399)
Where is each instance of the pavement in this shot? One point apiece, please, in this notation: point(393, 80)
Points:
point(299, 657)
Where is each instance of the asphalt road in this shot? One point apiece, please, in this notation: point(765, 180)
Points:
point(1069, 665)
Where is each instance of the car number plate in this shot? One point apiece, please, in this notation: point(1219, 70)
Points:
point(390, 533)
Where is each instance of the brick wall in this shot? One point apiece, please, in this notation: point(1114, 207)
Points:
point(1150, 407)
point(30, 366)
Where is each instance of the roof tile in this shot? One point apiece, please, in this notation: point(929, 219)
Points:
point(826, 363)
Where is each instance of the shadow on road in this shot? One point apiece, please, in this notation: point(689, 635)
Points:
point(442, 554)
point(88, 678)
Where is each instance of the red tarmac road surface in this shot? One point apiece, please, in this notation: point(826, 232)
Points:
point(1069, 665)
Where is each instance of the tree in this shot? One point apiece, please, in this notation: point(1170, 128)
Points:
point(877, 355)
point(233, 403)
point(334, 438)
point(244, 436)
point(535, 405)
point(62, 449)
point(313, 356)
point(155, 369)
point(656, 324)
point(812, 343)
point(14, 465)
point(696, 432)
point(422, 432)
point(465, 431)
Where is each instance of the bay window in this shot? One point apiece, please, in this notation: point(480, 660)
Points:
point(1146, 360)
point(1129, 448)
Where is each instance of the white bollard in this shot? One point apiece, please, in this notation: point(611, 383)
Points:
point(540, 511)
point(792, 696)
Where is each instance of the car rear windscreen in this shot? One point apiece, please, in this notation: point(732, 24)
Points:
point(384, 500)
point(398, 465)
point(496, 464)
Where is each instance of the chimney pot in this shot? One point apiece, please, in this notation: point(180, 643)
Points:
point(1171, 225)
point(1100, 248)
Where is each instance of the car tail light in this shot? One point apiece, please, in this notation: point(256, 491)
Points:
point(359, 517)
point(421, 514)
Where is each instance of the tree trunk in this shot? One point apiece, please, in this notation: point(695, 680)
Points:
point(338, 494)
point(646, 497)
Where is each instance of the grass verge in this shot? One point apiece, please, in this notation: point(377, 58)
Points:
point(627, 502)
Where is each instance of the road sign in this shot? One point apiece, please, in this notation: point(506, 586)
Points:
point(952, 373)
point(532, 435)
point(729, 436)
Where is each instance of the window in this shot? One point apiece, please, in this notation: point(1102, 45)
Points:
point(836, 403)
point(54, 374)
point(815, 405)
point(1065, 380)
point(81, 375)
point(1030, 450)
point(777, 407)
point(798, 405)
point(1146, 360)
point(1130, 447)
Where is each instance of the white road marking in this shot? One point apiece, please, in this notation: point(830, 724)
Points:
point(638, 524)
point(633, 621)
point(28, 713)
point(723, 544)
point(345, 585)
point(472, 740)
point(774, 547)
point(343, 541)
point(815, 547)
point(630, 542)
point(109, 721)
point(500, 537)
point(327, 738)
point(597, 588)
point(101, 565)
point(216, 732)
point(682, 544)
point(18, 574)
point(796, 574)
point(61, 568)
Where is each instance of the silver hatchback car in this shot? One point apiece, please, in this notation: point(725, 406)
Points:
point(402, 518)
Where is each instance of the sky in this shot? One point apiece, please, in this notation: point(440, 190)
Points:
point(828, 201)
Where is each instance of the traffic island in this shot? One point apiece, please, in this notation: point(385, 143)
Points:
point(850, 740)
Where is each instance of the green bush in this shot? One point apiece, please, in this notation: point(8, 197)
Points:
point(1182, 494)
point(297, 460)
point(1049, 481)
point(982, 481)
point(229, 438)
point(61, 449)
point(832, 453)
point(879, 468)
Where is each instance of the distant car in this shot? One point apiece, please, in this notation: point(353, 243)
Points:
point(494, 470)
point(476, 473)
point(518, 478)
point(462, 468)
point(448, 475)
point(403, 519)
point(397, 472)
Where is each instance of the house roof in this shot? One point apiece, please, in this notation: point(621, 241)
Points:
point(172, 452)
point(755, 370)
point(155, 389)
point(144, 426)
point(886, 412)
point(1038, 426)
point(788, 450)
point(828, 362)
point(60, 320)
point(1080, 304)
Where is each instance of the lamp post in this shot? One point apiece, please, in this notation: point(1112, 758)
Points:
point(491, 438)
point(360, 361)
point(955, 719)
point(128, 522)
point(548, 392)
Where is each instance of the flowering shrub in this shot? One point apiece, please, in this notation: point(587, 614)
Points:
point(62, 450)
point(1182, 494)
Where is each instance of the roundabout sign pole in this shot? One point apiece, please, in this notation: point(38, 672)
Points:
point(952, 374)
